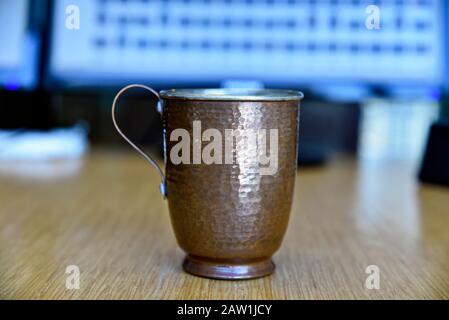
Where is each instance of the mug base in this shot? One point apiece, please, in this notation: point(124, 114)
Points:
point(228, 269)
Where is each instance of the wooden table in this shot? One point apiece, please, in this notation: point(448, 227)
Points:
point(105, 215)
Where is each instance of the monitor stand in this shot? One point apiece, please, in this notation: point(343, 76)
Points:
point(326, 128)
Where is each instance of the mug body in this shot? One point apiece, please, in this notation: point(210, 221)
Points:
point(230, 215)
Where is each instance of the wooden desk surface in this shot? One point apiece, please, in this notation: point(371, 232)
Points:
point(108, 218)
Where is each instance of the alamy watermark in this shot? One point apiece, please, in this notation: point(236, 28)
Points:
point(73, 17)
point(245, 147)
point(72, 281)
point(372, 282)
point(372, 21)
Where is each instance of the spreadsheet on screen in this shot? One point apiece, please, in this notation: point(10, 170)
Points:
point(272, 41)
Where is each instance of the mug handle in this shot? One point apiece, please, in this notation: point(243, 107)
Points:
point(163, 184)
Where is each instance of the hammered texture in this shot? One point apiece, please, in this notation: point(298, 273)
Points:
point(231, 211)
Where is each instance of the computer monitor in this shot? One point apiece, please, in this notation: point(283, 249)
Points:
point(292, 43)
point(19, 50)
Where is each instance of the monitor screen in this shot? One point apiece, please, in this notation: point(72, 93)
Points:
point(275, 42)
point(19, 51)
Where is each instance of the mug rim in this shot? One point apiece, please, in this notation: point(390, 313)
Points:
point(233, 94)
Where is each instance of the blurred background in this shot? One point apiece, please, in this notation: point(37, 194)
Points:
point(375, 73)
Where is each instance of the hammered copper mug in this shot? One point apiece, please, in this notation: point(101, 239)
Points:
point(228, 217)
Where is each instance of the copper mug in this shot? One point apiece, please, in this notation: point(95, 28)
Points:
point(229, 216)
